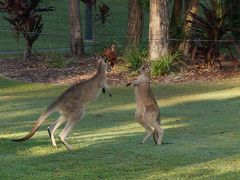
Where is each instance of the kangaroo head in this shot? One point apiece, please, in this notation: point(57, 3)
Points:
point(144, 69)
point(102, 65)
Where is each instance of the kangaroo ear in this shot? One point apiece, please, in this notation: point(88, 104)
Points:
point(105, 59)
point(97, 56)
point(148, 64)
point(99, 61)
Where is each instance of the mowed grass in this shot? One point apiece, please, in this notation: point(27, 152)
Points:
point(201, 120)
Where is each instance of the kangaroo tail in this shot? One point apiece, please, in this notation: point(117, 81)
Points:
point(155, 133)
point(37, 124)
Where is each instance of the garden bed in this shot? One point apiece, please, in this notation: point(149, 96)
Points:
point(41, 69)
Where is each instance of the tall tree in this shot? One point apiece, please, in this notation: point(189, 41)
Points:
point(176, 23)
point(135, 23)
point(158, 29)
point(75, 28)
point(176, 13)
point(191, 7)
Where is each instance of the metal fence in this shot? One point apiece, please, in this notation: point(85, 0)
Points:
point(55, 35)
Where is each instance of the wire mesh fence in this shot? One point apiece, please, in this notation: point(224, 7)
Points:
point(56, 34)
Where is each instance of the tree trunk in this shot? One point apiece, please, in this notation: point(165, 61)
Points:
point(176, 23)
point(28, 49)
point(176, 13)
point(192, 7)
point(75, 28)
point(187, 4)
point(158, 29)
point(135, 23)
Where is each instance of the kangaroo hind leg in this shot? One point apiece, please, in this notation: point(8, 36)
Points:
point(54, 126)
point(149, 130)
point(158, 132)
point(74, 118)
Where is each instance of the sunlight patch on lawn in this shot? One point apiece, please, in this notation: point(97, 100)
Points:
point(40, 151)
point(176, 122)
point(23, 112)
point(82, 140)
point(32, 87)
point(216, 95)
point(120, 133)
point(117, 131)
point(16, 135)
point(103, 133)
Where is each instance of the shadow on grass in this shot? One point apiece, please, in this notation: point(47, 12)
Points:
point(5, 83)
point(164, 92)
point(199, 116)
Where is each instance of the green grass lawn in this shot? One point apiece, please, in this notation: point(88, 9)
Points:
point(202, 121)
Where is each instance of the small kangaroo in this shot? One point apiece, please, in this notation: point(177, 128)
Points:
point(71, 105)
point(147, 113)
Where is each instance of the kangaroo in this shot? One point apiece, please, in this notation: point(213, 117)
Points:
point(147, 113)
point(71, 105)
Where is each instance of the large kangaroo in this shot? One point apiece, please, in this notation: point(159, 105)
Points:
point(71, 105)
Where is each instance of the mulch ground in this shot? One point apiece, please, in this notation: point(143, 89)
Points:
point(38, 69)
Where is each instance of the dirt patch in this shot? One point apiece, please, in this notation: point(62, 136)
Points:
point(39, 69)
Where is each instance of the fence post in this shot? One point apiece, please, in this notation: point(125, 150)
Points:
point(88, 21)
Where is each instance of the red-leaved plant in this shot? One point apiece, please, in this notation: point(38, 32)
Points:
point(25, 18)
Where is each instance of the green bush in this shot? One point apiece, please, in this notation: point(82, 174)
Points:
point(135, 57)
point(163, 65)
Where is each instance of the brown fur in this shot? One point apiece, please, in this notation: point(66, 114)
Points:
point(71, 105)
point(147, 113)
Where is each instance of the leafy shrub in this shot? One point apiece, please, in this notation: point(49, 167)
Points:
point(209, 32)
point(103, 13)
point(111, 55)
point(25, 18)
point(135, 57)
point(163, 65)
